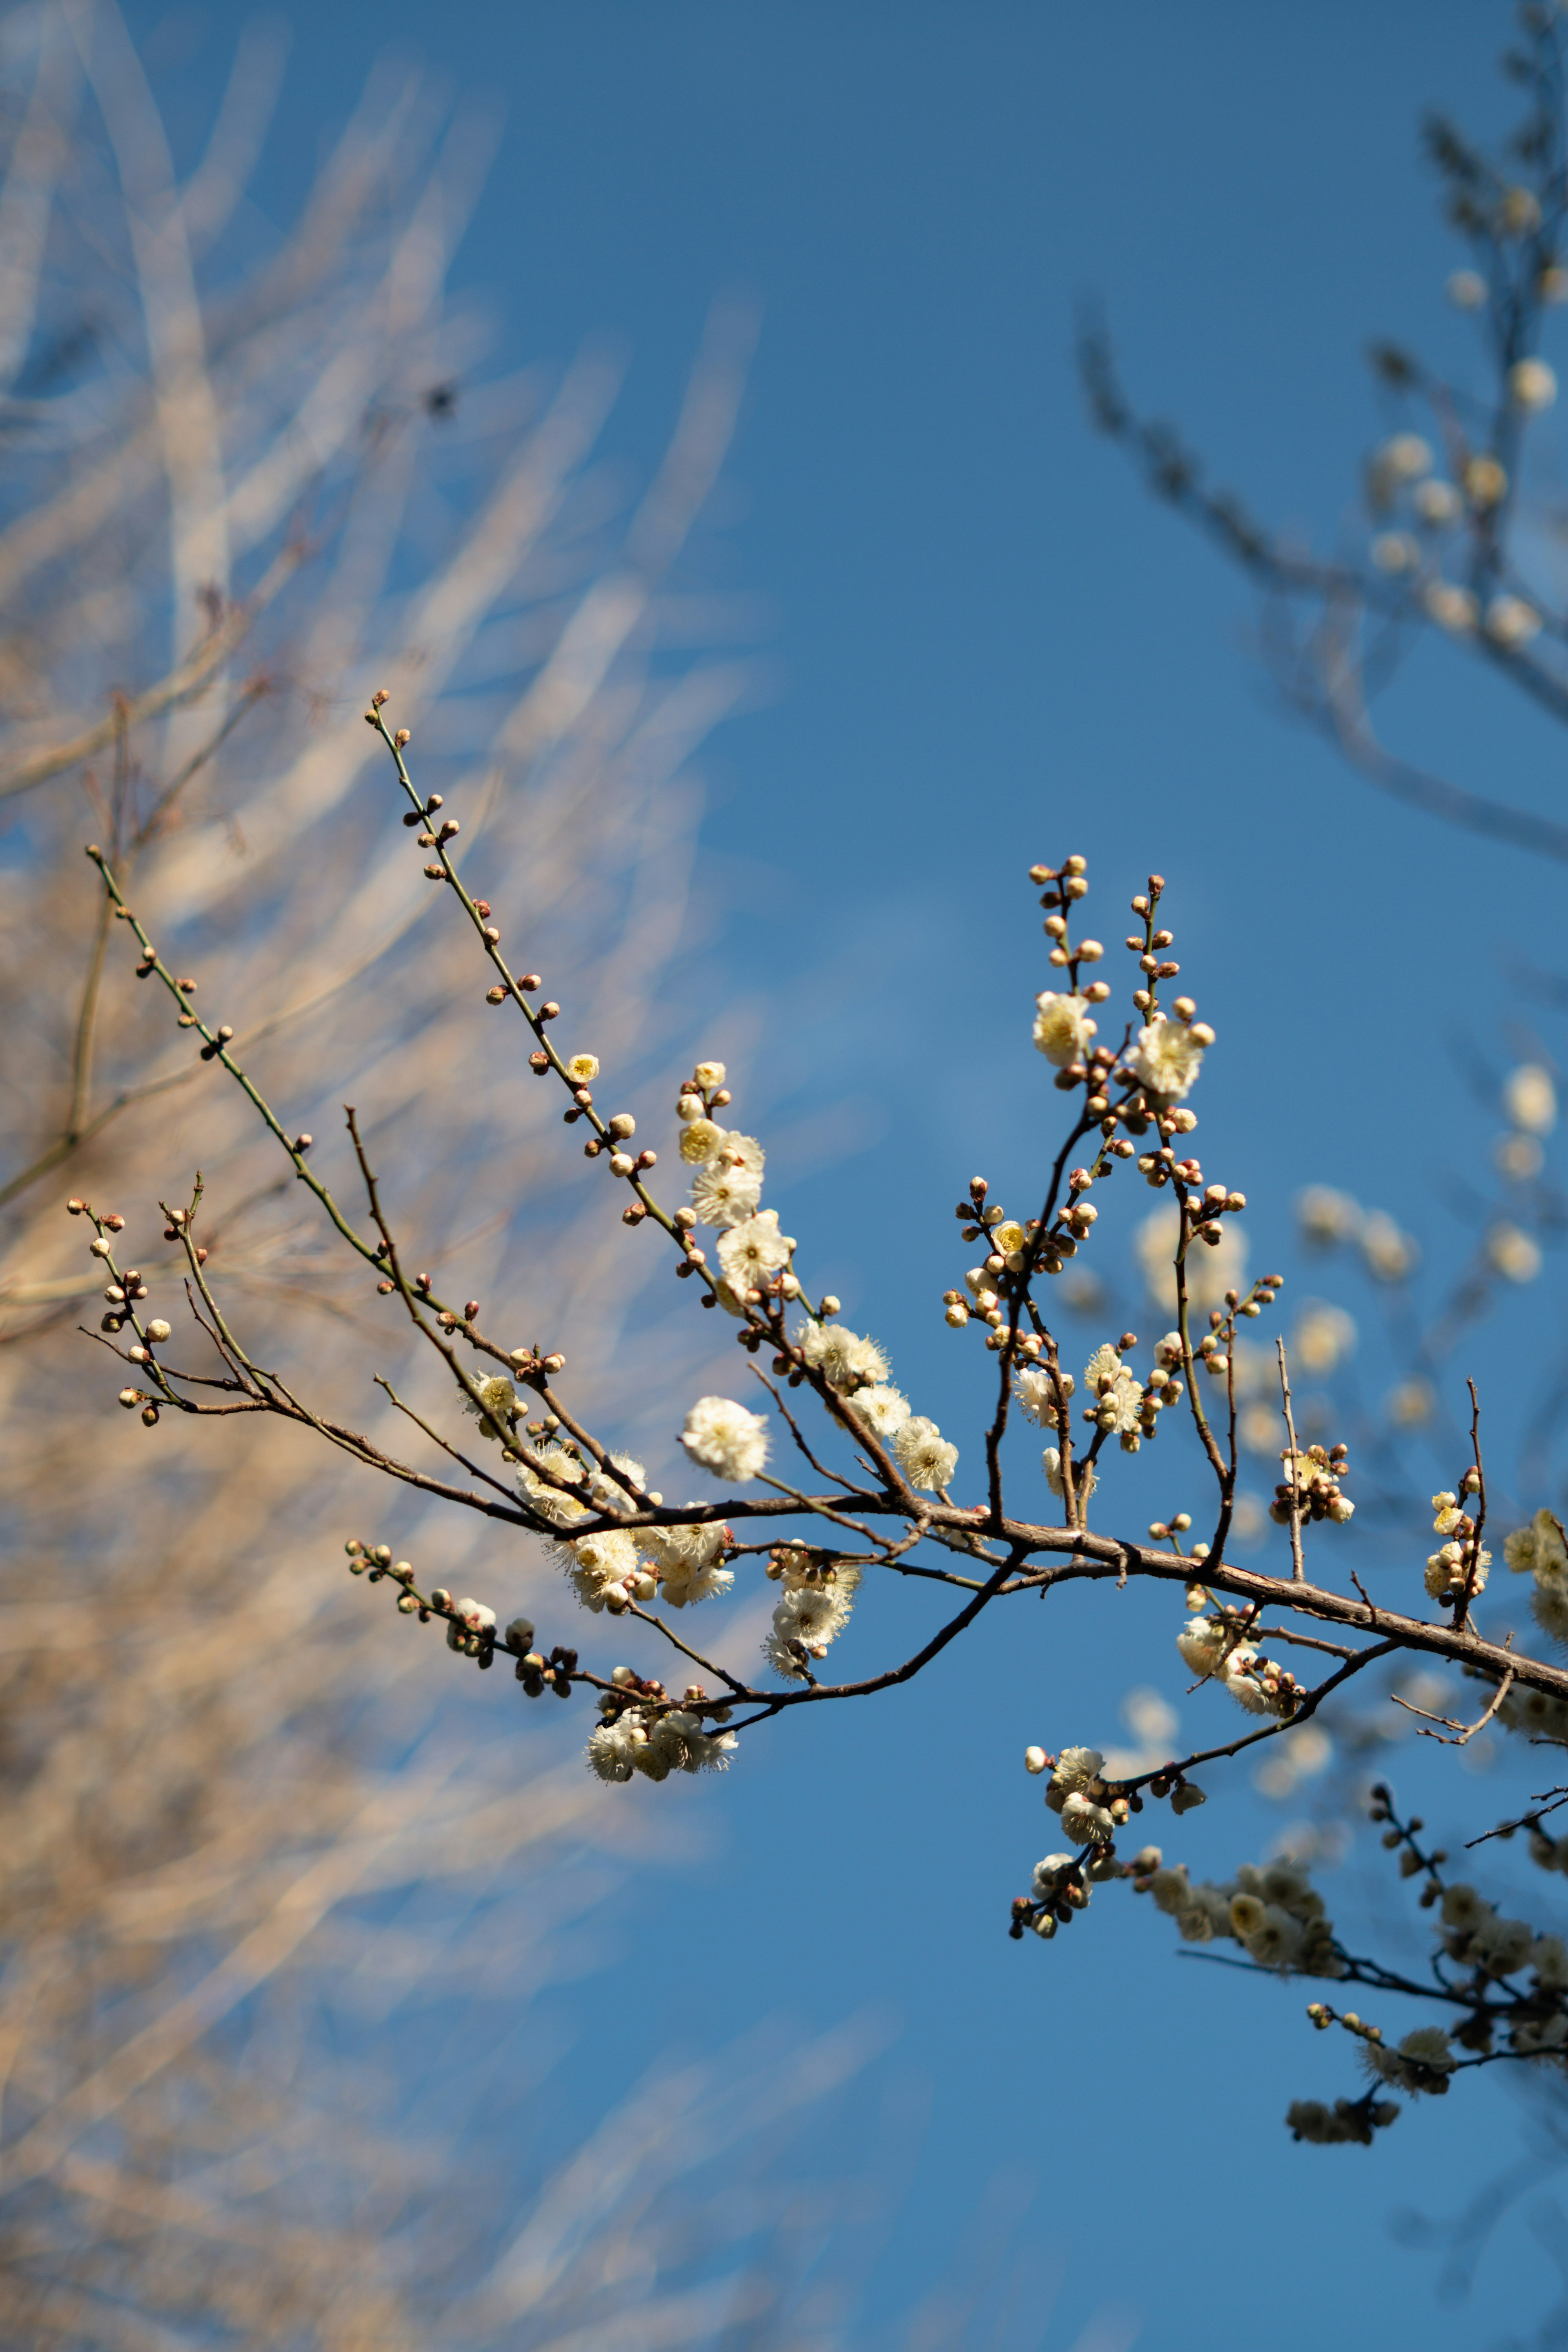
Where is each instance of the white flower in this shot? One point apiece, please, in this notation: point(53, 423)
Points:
point(699, 1141)
point(689, 1558)
point(1062, 1027)
point(925, 1456)
point(751, 1252)
point(1322, 1338)
point(1390, 1255)
point(1210, 1272)
point(1405, 457)
point(1515, 1254)
point(724, 1193)
point(1204, 1643)
point(596, 1562)
point(1395, 551)
point(1549, 1604)
point(497, 1398)
point(845, 1361)
point(1421, 2063)
point(1037, 1394)
point(725, 1438)
point(1529, 1097)
point(1437, 503)
point(611, 1749)
point(547, 1500)
point(1531, 384)
point(583, 1069)
point(807, 1618)
point(1466, 289)
point(1327, 1216)
point(884, 1411)
point(1117, 1393)
point(607, 1494)
point(1168, 1058)
point(1084, 1480)
point(1075, 1768)
point(1277, 1940)
point(1511, 622)
point(1454, 609)
point(1085, 1822)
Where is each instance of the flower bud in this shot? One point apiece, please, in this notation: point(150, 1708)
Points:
point(158, 1329)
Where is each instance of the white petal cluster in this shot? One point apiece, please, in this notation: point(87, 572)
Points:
point(1211, 1647)
point(688, 1559)
point(728, 1185)
point(1423, 2061)
point(470, 1627)
point(497, 1400)
point(725, 1438)
point(607, 1494)
point(847, 1361)
point(809, 1615)
point(1274, 1912)
point(1037, 1393)
point(752, 1252)
point(1167, 1058)
point(598, 1564)
point(547, 1499)
point(1062, 1027)
point(1085, 1478)
point(883, 1410)
point(640, 1741)
point(1117, 1393)
point(925, 1458)
point(1077, 1792)
point(1540, 1550)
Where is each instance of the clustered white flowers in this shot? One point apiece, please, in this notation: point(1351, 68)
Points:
point(1272, 1910)
point(1216, 1649)
point(1540, 1550)
point(1458, 1567)
point(1311, 1486)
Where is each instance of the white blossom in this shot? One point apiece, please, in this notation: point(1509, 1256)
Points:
point(807, 1618)
point(752, 1252)
point(593, 1563)
point(1529, 1098)
point(547, 1500)
point(1085, 1477)
point(925, 1456)
point(689, 1558)
point(1037, 1393)
point(1515, 1254)
point(1454, 609)
point(1085, 1822)
point(883, 1410)
point(846, 1360)
point(1062, 1027)
point(724, 1193)
point(725, 1438)
point(1168, 1058)
point(1511, 622)
point(496, 1398)
point(1532, 384)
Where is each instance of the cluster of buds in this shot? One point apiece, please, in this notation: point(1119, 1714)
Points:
point(1311, 1485)
point(1458, 1567)
point(122, 1295)
point(704, 1093)
point(1064, 887)
point(804, 1566)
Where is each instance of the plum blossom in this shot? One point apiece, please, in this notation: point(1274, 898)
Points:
point(725, 1438)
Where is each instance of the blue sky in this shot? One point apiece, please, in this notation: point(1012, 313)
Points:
point(986, 646)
